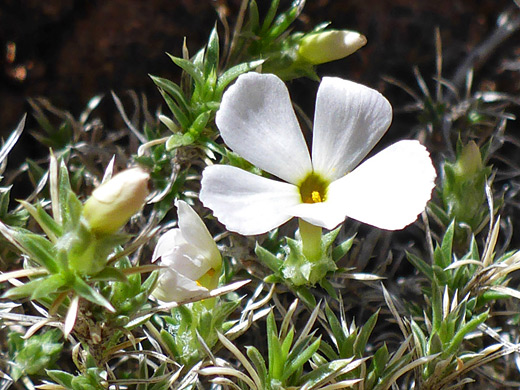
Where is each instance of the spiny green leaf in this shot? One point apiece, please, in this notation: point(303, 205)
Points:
point(342, 249)
point(38, 248)
point(266, 257)
point(48, 286)
point(366, 331)
point(190, 68)
point(269, 17)
point(420, 265)
point(275, 356)
point(258, 361)
point(182, 117)
point(212, 54)
point(300, 359)
point(283, 21)
point(231, 74)
point(90, 294)
point(173, 90)
point(61, 377)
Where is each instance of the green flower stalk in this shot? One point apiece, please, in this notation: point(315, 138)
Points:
point(330, 45)
point(113, 203)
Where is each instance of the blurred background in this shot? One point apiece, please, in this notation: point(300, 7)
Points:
point(70, 50)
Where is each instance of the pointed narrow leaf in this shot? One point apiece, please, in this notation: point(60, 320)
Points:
point(38, 248)
point(266, 257)
point(276, 361)
point(231, 74)
point(173, 90)
point(342, 249)
point(62, 377)
point(13, 138)
point(269, 17)
point(366, 331)
point(48, 286)
point(254, 17)
point(420, 265)
point(190, 68)
point(90, 294)
point(110, 273)
point(284, 20)
point(256, 357)
point(299, 360)
point(212, 54)
point(177, 112)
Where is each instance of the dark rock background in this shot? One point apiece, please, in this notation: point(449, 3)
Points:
point(70, 50)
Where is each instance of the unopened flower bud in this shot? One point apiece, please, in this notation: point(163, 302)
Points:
point(331, 45)
point(469, 162)
point(113, 203)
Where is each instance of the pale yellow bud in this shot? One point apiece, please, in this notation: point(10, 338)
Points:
point(113, 203)
point(330, 45)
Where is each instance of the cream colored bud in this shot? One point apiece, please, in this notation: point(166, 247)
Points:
point(113, 203)
point(330, 45)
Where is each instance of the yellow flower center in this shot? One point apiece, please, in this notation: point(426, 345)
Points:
point(313, 189)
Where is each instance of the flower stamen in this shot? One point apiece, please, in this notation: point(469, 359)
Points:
point(316, 197)
point(313, 189)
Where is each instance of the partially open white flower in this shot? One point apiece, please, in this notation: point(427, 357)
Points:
point(191, 256)
point(257, 121)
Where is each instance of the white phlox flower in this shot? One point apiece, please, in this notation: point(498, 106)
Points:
point(257, 121)
point(191, 258)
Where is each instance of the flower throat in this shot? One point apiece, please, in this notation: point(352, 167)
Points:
point(313, 189)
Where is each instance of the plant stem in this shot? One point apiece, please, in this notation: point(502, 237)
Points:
point(311, 240)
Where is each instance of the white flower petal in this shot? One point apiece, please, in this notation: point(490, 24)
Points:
point(186, 259)
point(246, 203)
point(196, 234)
point(324, 214)
point(167, 243)
point(349, 120)
point(174, 287)
point(388, 190)
point(257, 121)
